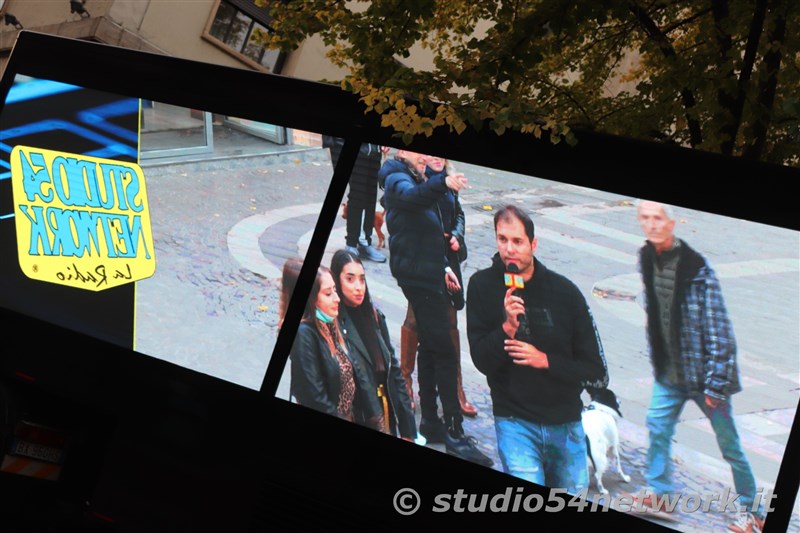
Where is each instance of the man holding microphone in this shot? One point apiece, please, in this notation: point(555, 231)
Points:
point(537, 371)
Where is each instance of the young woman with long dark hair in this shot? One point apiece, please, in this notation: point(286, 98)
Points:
point(367, 337)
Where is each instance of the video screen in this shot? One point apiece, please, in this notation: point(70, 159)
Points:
point(177, 254)
point(605, 319)
point(586, 303)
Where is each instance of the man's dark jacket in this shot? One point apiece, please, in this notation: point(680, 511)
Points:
point(561, 326)
point(699, 322)
point(416, 233)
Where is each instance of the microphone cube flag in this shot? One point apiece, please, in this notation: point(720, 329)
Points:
point(513, 280)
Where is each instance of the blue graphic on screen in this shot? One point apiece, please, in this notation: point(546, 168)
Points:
point(59, 116)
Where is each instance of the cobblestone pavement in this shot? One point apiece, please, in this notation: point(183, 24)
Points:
point(223, 229)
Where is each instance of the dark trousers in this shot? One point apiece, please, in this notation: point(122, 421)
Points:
point(356, 213)
point(437, 360)
point(362, 194)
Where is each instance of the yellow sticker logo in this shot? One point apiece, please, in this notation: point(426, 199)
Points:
point(81, 221)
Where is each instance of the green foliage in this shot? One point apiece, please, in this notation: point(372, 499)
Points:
point(717, 75)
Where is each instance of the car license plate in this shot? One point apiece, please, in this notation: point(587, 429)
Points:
point(37, 451)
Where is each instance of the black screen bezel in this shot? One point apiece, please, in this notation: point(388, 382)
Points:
point(667, 173)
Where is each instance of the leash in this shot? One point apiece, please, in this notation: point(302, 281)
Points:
point(589, 449)
point(590, 407)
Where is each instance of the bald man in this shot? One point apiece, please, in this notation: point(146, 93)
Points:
point(693, 351)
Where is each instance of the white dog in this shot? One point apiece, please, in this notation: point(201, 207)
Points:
point(600, 419)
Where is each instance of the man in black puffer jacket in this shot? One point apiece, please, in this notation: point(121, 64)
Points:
point(418, 262)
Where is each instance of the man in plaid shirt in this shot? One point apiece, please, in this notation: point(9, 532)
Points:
point(693, 351)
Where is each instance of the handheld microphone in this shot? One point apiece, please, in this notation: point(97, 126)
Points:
point(512, 278)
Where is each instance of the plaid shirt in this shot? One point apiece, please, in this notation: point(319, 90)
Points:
point(707, 342)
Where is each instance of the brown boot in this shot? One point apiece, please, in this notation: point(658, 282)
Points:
point(408, 355)
point(466, 408)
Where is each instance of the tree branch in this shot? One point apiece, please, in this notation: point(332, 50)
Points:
point(561, 90)
point(767, 88)
point(685, 21)
point(735, 104)
point(727, 101)
point(687, 97)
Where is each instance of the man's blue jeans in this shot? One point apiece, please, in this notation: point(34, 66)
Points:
point(549, 455)
point(665, 407)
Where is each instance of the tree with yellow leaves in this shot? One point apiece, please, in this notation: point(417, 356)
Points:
point(716, 75)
